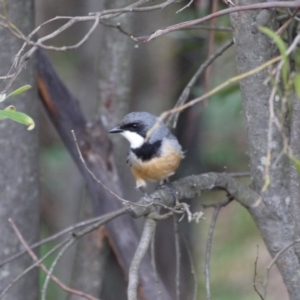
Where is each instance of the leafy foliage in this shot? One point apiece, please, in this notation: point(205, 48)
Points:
point(10, 111)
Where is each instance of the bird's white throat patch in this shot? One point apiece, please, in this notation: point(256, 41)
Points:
point(134, 139)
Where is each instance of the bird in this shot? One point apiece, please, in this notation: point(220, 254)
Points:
point(154, 153)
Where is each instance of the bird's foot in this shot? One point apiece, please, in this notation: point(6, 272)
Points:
point(170, 187)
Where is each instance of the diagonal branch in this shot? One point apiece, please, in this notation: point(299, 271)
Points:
point(186, 92)
point(43, 267)
point(256, 6)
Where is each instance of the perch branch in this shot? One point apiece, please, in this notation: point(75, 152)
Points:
point(193, 186)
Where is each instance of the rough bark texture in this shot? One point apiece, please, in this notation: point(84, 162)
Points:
point(294, 186)
point(19, 178)
point(272, 215)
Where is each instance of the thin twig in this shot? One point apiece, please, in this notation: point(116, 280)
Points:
point(217, 207)
point(6, 77)
point(124, 201)
point(193, 268)
point(186, 6)
point(269, 267)
point(212, 92)
point(255, 274)
point(23, 273)
point(133, 278)
point(113, 13)
point(72, 240)
point(57, 235)
point(54, 263)
point(177, 255)
point(208, 250)
point(95, 17)
point(186, 92)
point(180, 26)
point(210, 49)
point(106, 218)
point(42, 266)
point(153, 262)
point(287, 23)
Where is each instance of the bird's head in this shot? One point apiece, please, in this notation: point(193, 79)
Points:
point(134, 127)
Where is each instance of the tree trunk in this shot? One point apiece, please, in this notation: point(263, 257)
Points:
point(18, 161)
point(272, 214)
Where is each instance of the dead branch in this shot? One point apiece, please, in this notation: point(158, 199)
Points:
point(193, 186)
point(57, 235)
point(68, 241)
point(212, 225)
point(178, 256)
point(133, 278)
point(187, 90)
point(272, 263)
point(263, 5)
point(254, 276)
point(42, 266)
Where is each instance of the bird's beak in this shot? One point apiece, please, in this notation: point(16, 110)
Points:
point(116, 130)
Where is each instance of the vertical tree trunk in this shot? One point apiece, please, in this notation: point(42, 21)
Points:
point(272, 214)
point(114, 82)
point(18, 161)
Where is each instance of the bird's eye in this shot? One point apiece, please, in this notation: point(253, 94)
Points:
point(134, 125)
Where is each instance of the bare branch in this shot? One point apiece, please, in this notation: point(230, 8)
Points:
point(153, 262)
point(272, 263)
point(263, 5)
point(106, 218)
point(186, 6)
point(124, 201)
point(186, 92)
point(71, 241)
point(42, 266)
point(218, 207)
point(65, 231)
point(178, 256)
point(54, 263)
point(193, 268)
point(141, 251)
point(37, 263)
point(192, 186)
point(254, 276)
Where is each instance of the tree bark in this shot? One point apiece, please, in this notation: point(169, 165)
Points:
point(19, 180)
point(272, 214)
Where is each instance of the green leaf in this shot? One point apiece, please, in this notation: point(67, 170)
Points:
point(297, 84)
point(19, 91)
point(282, 48)
point(296, 163)
point(16, 116)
